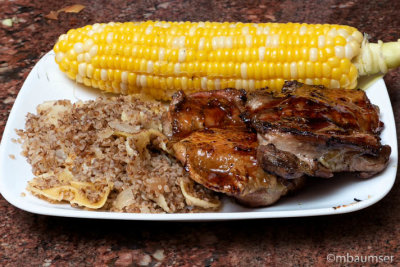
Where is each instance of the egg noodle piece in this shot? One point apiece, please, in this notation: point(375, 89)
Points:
point(73, 191)
point(186, 186)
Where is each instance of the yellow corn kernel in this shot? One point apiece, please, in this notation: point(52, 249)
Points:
point(310, 70)
point(318, 70)
point(326, 70)
point(301, 69)
point(334, 62)
point(87, 82)
point(336, 73)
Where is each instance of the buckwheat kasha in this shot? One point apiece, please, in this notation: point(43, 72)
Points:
point(108, 154)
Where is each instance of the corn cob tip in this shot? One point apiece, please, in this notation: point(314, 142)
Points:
point(391, 54)
point(376, 58)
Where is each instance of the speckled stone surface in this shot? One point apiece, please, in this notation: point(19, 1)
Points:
point(28, 239)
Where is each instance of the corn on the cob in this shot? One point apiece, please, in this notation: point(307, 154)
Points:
point(159, 58)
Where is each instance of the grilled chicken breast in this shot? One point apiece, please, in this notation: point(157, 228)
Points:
point(316, 131)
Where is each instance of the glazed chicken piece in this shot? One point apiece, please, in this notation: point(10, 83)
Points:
point(316, 131)
point(224, 160)
point(218, 151)
point(218, 108)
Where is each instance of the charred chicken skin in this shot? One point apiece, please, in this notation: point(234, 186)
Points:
point(218, 150)
point(316, 131)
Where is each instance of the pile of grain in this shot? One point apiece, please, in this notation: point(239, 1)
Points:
point(96, 142)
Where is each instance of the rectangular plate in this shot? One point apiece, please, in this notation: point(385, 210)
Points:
point(319, 197)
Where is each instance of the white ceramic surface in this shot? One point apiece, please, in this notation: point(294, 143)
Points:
point(47, 82)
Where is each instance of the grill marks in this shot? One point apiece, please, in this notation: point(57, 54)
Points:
point(325, 131)
point(310, 110)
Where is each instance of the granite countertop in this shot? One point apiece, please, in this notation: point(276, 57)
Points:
point(29, 239)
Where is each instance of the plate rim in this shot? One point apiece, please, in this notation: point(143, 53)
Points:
point(208, 216)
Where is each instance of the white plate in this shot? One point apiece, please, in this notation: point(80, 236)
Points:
point(320, 197)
